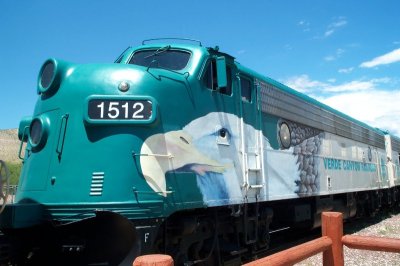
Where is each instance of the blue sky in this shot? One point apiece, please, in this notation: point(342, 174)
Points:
point(343, 53)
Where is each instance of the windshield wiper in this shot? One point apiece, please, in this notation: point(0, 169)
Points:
point(157, 52)
point(160, 51)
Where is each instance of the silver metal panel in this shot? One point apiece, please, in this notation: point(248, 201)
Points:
point(289, 106)
point(395, 144)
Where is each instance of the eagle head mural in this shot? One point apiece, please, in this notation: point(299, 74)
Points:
point(210, 147)
point(206, 147)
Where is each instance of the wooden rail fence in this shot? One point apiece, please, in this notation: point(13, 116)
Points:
point(330, 244)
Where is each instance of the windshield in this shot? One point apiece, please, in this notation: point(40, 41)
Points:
point(161, 58)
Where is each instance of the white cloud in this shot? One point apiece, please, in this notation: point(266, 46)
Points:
point(355, 85)
point(305, 25)
point(360, 99)
point(329, 32)
point(329, 58)
point(375, 108)
point(382, 80)
point(302, 22)
point(303, 83)
point(389, 58)
point(346, 70)
point(338, 53)
point(340, 22)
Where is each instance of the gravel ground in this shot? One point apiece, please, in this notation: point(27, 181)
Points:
point(385, 225)
point(9, 145)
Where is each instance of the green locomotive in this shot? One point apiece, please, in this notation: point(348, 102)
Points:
point(177, 148)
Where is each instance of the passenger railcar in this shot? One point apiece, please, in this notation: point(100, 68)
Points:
point(177, 148)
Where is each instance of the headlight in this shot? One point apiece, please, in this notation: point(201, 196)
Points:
point(35, 131)
point(38, 132)
point(47, 74)
point(284, 136)
point(49, 77)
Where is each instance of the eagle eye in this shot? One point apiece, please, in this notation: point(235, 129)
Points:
point(223, 133)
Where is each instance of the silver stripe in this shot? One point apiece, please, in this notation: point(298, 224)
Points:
point(282, 104)
point(395, 144)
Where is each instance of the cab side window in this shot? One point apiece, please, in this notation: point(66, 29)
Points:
point(210, 78)
point(245, 85)
point(228, 89)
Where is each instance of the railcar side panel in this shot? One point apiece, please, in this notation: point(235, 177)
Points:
point(393, 156)
point(320, 164)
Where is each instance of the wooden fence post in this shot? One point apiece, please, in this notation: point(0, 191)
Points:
point(332, 226)
point(154, 260)
point(295, 254)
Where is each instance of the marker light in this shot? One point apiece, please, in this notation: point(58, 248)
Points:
point(38, 132)
point(284, 135)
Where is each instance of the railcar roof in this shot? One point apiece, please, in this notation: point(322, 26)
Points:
point(306, 98)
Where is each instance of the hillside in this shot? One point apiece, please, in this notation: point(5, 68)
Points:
point(9, 145)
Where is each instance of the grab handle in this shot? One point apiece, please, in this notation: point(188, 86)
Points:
point(22, 143)
point(61, 135)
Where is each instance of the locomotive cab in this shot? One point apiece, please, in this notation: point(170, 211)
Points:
point(83, 148)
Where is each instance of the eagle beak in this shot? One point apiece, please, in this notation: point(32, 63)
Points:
point(161, 153)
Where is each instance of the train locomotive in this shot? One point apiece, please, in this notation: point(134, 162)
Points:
point(177, 148)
